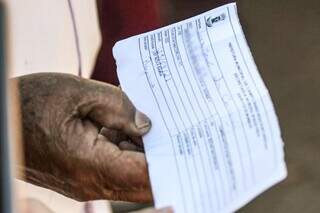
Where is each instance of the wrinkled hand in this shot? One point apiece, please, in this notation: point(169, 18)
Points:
point(77, 133)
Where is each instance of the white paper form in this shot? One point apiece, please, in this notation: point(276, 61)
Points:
point(215, 143)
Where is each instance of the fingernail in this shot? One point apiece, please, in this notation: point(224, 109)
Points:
point(143, 123)
point(165, 210)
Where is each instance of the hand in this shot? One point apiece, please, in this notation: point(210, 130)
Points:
point(64, 147)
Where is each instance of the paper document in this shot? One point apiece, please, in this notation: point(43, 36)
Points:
point(215, 143)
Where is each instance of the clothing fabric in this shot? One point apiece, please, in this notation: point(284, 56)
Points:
point(118, 20)
point(52, 36)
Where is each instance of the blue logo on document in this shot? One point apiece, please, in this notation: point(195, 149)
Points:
point(213, 20)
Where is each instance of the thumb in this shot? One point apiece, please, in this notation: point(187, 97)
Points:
point(110, 107)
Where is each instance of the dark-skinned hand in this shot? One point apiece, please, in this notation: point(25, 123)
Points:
point(80, 138)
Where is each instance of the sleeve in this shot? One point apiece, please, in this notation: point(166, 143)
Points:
point(52, 36)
